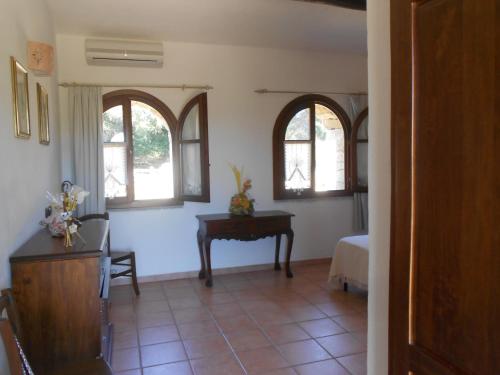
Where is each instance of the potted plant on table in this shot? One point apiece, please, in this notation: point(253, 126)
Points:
point(241, 203)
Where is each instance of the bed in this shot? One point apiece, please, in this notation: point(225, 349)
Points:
point(350, 262)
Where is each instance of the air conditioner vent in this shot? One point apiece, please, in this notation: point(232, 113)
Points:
point(112, 52)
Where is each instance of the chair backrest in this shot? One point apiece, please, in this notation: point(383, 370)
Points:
point(9, 329)
point(104, 216)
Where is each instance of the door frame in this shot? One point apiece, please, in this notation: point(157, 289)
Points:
point(401, 120)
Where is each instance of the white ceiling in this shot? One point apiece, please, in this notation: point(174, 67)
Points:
point(266, 23)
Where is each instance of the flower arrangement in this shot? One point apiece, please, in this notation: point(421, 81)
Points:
point(61, 221)
point(241, 203)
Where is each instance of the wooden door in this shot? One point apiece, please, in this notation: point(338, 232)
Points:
point(445, 227)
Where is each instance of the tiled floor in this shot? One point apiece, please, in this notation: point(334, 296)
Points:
point(248, 323)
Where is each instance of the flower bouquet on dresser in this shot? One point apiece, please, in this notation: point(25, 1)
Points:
point(61, 221)
point(241, 203)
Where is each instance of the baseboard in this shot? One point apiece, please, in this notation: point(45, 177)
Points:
point(218, 271)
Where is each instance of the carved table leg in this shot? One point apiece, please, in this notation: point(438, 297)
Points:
point(201, 274)
point(277, 266)
point(289, 237)
point(208, 244)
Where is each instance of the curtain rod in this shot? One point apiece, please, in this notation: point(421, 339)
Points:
point(142, 85)
point(266, 91)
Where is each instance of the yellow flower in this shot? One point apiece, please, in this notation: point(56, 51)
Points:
point(237, 175)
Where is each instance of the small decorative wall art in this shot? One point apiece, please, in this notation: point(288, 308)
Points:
point(40, 58)
point(20, 99)
point(43, 115)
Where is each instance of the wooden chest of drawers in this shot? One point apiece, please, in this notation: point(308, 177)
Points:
point(58, 294)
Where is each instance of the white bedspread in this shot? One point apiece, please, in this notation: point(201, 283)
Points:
point(350, 261)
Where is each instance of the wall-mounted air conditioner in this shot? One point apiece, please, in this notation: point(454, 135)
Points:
point(124, 53)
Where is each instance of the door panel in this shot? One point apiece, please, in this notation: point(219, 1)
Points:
point(445, 229)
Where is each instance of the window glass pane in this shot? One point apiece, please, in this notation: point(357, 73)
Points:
point(112, 121)
point(362, 163)
point(298, 128)
point(191, 178)
point(153, 170)
point(115, 170)
point(191, 127)
point(297, 166)
point(330, 159)
point(363, 129)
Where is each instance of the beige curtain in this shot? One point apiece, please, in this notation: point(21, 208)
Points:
point(357, 103)
point(360, 212)
point(85, 116)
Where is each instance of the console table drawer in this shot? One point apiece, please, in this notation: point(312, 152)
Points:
point(272, 225)
point(250, 226)
point(230, 227)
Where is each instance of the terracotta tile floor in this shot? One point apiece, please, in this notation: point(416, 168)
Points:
point(248, 323)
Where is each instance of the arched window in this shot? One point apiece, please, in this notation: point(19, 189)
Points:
point(310, 149)
point(193, 138)
point(360, 152)
point(142, 159)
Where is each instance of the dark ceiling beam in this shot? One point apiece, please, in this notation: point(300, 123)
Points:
point(351, 4)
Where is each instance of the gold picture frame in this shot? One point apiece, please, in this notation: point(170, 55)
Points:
point(20, 99)
point(43, 115)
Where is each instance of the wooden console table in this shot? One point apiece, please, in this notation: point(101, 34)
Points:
point(243, 228)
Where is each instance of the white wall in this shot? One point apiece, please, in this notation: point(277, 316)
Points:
point(27, 168)
point(379, 82)
point(240, 131)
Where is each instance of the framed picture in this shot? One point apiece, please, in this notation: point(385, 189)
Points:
point(20, 99)
point(43, 115)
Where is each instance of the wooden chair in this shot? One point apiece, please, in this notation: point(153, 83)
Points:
point(10, 329)
point(118, 258)
point(9, 341)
